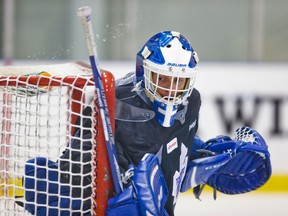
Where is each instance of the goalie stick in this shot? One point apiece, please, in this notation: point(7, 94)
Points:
point(84, 13)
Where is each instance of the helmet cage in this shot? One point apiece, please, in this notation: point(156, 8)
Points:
point(175, 95)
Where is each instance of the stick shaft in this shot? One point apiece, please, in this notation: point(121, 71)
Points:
point(84, 13)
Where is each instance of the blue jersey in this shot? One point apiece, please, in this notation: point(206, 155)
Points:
point(172, 144)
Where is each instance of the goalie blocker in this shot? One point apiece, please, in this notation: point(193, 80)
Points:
point(230, 166)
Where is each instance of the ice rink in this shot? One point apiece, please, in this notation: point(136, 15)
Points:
point(250, 204)
point(242, 78)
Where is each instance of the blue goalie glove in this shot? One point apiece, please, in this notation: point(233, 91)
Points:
point(231, 166)
point(147, 193)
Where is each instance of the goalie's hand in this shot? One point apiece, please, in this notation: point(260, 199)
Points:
point(249, 167)
point(230, 166)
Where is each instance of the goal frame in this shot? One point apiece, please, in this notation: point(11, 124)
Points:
point(103, 182)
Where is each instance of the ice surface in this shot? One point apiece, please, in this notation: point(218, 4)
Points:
point(250, 204)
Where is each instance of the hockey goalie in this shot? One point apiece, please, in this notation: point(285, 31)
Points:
point(163, 83)
point(158, 152)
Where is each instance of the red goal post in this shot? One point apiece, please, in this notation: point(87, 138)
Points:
point(39, 106)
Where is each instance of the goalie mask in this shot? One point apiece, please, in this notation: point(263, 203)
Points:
point(166, 68)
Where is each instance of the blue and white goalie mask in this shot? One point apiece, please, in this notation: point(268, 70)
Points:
point(166, 66)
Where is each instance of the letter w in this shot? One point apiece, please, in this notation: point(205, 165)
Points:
point(240, 109)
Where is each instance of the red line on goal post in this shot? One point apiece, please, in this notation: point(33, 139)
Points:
point(104, 178)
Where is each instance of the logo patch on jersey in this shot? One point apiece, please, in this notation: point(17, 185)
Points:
point(192, 125)
point(173, 144)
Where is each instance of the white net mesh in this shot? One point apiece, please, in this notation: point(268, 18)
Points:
point(245, 134)
point(37, 120)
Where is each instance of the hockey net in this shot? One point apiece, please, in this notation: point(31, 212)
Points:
point(39, 109)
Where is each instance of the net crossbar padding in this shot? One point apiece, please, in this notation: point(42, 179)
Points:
point(39, 109)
